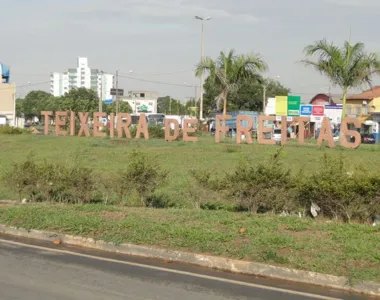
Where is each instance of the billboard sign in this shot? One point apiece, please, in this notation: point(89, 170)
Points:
point(294, 103)
point(281, 105)
point(306, 110)
point(318, 110)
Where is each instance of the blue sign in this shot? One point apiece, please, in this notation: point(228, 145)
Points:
point(306, 110)
point(108, 101)
point(4, 73)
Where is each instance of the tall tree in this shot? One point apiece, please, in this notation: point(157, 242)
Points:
point(19, 107)
point(229, 72)
point(170, 106)
point(34, 102)
point(347, 67)
point(81, 99)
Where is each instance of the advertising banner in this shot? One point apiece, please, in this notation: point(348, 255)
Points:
point(306, 110)
point(281, 106)
point(294, 103)
point(318, 110)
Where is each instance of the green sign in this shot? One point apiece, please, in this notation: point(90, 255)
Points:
point(294, 105)
point(143, 108)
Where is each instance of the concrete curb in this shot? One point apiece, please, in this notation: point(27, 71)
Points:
point(225, 264)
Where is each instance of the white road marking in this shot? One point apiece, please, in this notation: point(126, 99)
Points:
point(253, 285)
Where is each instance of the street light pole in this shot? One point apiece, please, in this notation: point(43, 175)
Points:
point(202, 55)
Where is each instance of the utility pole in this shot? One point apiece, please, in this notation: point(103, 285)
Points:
point(264, 97)
point(201, 85)
point(117, 91)
point(202, 55)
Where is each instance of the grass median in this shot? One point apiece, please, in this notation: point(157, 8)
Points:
point(350, 250)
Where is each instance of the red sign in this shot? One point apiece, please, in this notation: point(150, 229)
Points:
point(318, 110)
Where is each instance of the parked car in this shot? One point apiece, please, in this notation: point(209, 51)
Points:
point(276, 134)
point(368, 139)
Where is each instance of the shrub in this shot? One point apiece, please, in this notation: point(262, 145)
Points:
point(143, 175)
point(340, 192)
point(23, 178)
point(265, 186)
point(204, 191)
point(51, 182)
point(13, 130)
point(156, 131)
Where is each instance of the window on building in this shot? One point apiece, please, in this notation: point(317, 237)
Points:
point(365, 109)
point(150, 103)
point(349, 110)
point(357, 110)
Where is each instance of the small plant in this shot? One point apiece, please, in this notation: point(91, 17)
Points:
point(232, 148)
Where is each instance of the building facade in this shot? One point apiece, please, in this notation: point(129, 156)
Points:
point(366, 107)
point(8, 103)
point(142, 101)
point(82, 76)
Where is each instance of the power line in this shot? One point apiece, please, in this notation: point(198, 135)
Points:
point(168, 73)
point(142, 80)
point(157, 82)
point(25, 85)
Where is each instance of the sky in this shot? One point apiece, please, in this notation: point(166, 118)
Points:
point(159, 40)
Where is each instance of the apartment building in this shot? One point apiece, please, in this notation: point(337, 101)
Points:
point(82, 76)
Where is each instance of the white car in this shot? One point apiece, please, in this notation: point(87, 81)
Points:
point(276, 134)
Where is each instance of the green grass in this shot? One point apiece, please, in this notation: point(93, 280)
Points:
point(107, 156)
point(350, 250)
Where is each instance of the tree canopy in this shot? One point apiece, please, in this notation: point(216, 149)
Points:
point(81, 99)
point(229, 72)
point(249, 95)
point(348, 66)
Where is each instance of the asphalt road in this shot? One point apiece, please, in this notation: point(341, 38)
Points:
point(35, 270)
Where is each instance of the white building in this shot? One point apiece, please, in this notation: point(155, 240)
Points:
point(7, 104)
point(142, 101)
point(82, 76)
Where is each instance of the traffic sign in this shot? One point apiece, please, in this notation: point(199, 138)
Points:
point(108, 101)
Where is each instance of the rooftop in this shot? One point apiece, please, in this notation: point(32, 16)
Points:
point(335, 98)
point(367, 95)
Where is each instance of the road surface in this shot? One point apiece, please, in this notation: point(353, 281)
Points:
point(37, 270)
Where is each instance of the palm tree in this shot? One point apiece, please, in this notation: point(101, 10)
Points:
point(229, 71)
point(347, 67)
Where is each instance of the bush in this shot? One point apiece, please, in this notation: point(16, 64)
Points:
point(143, 175)
point(156, 131)
point(51, 182)
point(13, 130)
point(341, 193)
point(265, 186)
